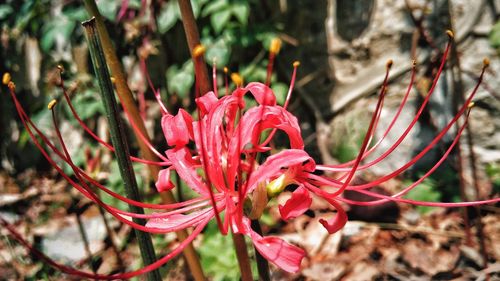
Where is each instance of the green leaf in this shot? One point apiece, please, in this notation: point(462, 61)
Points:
point(495, 35)
point(241, 10)
point(5, 10)
point(220, 19)
point(426, 191)
point(181, 80)
point(108, 9)
point(220, 51)
point(217, 253)
point(87, 104)
point(280, 90)
point(168, 16)
point(76, 14)
point(60, 27)
point(214, 7)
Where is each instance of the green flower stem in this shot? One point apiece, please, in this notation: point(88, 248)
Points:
point(125, 96)
point(262, 263)
point(119, 141)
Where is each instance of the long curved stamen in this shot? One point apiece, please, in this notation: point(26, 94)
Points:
point(155, 91)
point(83, 274)
point(422, 178)
point(274, 49)
point(419, 155)
point(296, 64)
point(142, 137)
point(384, 135)
point(87, 188)
point(198, 52)
point(226, 80)
point(420, 110)
point(366, 139)
point(25, 120)
point(214, 78)
point(165, 162)
point(112, 210)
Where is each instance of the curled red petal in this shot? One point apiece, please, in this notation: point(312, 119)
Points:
point(274, 164)
point(296, 205)
point(185, 167)
point(177, 129)
point(276, 250)
point(336, 223)
point(262, 93)
point(206, 102)
point(164, 183)
point(176, 222)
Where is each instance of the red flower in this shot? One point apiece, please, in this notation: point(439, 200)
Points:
point(216, 156)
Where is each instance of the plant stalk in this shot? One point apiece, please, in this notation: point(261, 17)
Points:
point(127, 100)
point(119, 141)
point(242, 255)
point(193, 39)
point(262, 263)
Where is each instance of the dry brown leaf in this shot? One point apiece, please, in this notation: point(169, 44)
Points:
point(427, 258)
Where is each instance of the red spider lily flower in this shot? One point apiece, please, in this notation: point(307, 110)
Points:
point(216, 156)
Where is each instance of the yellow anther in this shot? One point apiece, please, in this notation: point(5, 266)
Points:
point(61, 68)
point(199, 50)
point(486, 62)
point(6, 78)
point(226, 70)
point(388, 64)
point(296, 63)
point(113, 80)
point(450, 34)
point(275, 46)
point(414, 63)
point(471, 105)
point(51, 104)
point(237, 79)
point(12, 86)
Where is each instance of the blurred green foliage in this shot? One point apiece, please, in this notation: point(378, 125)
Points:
point(495, 36)
point(425, 191)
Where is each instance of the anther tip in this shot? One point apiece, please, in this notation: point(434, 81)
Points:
point(414, 63)
point(275, 46)
point(51, 104)
point(486, 62)
point(237, 79)
point(296, 63)
point(6, 78)
point(389, 64)
point(450, 34)
point(198, 50)
point(11, 85)
point(471, 105)
point(226, 70)
point(113, 80)
point(61, 68)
